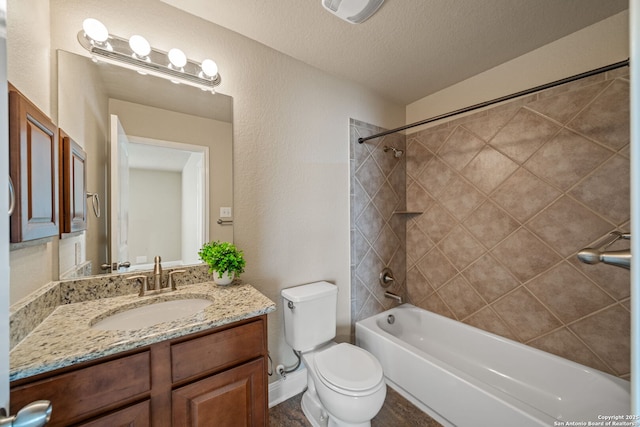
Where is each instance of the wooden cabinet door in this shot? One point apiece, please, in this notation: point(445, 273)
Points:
point(73, 178)
point(33, 166)
point(233, 398)
point(132, 416)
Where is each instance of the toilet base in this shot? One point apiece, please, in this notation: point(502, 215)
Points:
point(313, 410)
point(318, 416)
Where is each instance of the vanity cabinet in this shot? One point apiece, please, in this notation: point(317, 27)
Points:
point(33, 168)
point(212, 378)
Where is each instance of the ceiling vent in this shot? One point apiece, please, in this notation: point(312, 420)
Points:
point(352, 11)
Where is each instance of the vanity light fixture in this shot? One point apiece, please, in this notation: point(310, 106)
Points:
point(140, 46)
point(138, 55)
point(209, 68)
point(177, 58)
point(95, 30)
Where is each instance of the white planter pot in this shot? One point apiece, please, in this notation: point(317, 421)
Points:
point(226, 278)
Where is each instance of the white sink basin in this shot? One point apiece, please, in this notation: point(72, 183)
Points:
point(152, 314)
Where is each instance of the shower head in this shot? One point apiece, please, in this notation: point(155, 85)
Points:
point(396, 153)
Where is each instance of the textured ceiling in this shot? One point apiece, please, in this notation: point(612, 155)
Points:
point(410, 48)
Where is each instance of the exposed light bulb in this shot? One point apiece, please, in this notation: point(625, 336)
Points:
point(140, 46)
point(95, 30)
point(177, 58)
point(209, 68)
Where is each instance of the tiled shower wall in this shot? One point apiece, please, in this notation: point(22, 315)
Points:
point(509, 195)
point(378, 232)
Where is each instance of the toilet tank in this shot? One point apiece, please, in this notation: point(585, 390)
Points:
point(312, 320)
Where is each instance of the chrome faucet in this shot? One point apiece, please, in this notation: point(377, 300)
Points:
point(598, 253)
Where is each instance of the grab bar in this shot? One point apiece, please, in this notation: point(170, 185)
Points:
point(598, 253)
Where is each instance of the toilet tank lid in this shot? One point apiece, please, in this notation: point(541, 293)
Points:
point(310, 291)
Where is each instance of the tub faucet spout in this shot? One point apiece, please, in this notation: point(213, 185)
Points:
point(393, 296)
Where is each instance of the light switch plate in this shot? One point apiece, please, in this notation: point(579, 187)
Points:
point(225, 212)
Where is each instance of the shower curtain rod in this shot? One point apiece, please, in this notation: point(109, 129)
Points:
point(501, 99)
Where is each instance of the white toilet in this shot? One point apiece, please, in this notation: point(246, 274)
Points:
point(345, 384)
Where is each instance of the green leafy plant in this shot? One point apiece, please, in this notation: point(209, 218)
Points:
point(221, 257)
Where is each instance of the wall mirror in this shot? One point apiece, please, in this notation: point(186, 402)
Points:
point(159, 159)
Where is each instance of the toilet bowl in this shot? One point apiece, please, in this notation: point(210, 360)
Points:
point(345, 386)
point(345, 383)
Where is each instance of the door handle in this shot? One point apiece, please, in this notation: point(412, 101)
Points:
point(35, 414)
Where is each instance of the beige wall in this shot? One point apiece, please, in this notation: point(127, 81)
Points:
point(83, 109)
point(29, 51)
point(600, 44)
point(291, 170)
point(31, 266)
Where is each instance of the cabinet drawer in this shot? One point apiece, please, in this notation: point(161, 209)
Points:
point(80, 393)
point(132, 416)
point(217, 351)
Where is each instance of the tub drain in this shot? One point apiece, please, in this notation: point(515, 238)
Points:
point(390, 319)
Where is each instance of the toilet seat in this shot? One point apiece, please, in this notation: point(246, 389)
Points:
point(348, 369)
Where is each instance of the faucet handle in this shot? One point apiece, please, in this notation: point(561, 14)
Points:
point(142, 279)
point(170, 283)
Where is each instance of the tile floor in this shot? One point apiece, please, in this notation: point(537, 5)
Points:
point(396, 412)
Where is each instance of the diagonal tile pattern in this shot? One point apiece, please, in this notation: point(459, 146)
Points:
point(505, 197)
point(378, 233)
point(509, 197)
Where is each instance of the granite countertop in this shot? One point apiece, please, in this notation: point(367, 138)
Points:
point(65, 337)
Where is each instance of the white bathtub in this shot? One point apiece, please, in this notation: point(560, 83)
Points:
point(463, 376)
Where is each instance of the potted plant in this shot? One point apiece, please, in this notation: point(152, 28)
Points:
point(225, 261)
